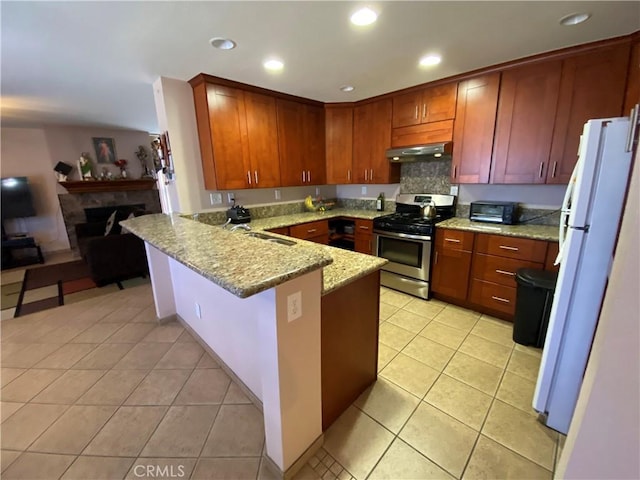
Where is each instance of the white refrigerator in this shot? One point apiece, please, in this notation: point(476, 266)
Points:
point(589, 224)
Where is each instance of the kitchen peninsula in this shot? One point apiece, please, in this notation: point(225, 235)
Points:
point(298, 325)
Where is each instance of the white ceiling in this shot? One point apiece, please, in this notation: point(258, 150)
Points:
point(93, 63)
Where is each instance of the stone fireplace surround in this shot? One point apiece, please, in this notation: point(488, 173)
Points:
point(73, 205)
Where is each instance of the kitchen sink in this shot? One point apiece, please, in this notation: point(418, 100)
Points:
point(269, 238)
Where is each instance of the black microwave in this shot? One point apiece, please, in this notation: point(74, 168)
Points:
point(494, 212)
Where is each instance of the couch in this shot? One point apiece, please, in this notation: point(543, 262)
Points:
point(114, 257)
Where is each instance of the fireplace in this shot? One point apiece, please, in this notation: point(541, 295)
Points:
point(85, 207)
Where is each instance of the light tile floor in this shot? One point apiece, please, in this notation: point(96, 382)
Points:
point(98, 390)
point(452, 400)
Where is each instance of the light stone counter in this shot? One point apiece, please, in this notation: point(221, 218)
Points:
point(536, 232)
point(244, 265)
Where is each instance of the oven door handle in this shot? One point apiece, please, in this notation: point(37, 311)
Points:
point(408, 236)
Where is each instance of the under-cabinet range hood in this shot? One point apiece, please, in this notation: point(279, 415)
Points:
point(421, 153)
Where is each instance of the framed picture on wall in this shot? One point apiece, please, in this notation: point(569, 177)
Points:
point(105, 149)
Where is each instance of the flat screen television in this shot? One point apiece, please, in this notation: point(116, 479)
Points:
point(16, 198)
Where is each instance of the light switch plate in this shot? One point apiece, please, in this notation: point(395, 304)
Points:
point(278, 195)
point(364, 190)
point(294, 306)
point(216, 198)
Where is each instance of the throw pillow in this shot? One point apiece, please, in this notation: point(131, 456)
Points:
point(124, 230)
point(110, 223)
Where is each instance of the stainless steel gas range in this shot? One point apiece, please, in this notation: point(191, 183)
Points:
point(405, 239)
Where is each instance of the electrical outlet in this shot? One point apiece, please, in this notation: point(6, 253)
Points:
point(278, 195)
point(231, 198)
point(364, 190)
point(294, 306)
point(216, 198)
point(317, 191)
point(198, 310)
point(453, 190)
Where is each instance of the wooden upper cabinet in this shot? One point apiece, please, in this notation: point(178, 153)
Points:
point(432, 104)
point(474, 127)
point(262, 132)
point(290, 141)
point(339, 143)
point(632, 95)
point(524, 123)
point(314, 145)
point(222, 129)
point(592, 86)
point(371, 138)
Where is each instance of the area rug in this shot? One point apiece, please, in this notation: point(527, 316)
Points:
point(54, 285)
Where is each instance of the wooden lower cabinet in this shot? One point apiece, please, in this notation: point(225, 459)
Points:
point(349, 344)
point(312, 231)
point(363, 236)
point(279, 230)
point(492, 295)
point(452, 263)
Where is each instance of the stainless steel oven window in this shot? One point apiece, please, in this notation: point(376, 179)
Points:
point(408, 255)
point(405, 252)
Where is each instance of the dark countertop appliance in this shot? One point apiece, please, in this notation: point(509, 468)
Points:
point(494, 212)
point(239, 214)
point(405, 238)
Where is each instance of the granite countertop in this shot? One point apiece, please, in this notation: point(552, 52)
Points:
point(228, 258)
point(536, 232)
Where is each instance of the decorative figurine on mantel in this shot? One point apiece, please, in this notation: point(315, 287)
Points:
point(122, 165)
point(142, 156)
point(85, 167)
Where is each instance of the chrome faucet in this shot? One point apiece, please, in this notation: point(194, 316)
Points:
point(226, 223)
point(243, 226)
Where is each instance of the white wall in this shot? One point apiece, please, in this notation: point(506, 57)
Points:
point(531, 196)
point(368, 192)
point(604, 436)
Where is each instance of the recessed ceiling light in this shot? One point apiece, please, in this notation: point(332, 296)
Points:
point(222, 43)
point(347, 88)
point(430, 60)
point(273, 65)
point(574, 19)
point(364, 16)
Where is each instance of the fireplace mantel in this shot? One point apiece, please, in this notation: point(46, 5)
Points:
point(90, 186)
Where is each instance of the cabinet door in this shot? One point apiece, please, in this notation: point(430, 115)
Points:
point(439, 103)
point(592, 86)
point(371, 138)
point(364, 244)
point(290, 141)
point(407, 109)
point(262, 131)
point(314, 157)
point(227, 120)
point(632, 95)
point(474, 128)
point(451, 270)
point(339, 144)
point(524, 124)
point(362, 123)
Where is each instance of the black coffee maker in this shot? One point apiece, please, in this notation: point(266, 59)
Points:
point(239, 214)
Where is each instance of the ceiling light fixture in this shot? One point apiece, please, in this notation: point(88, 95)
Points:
point(347, 88)
point(222, 43)
point(273, 65)
point(430, 60)
point(364, 16)
point(574, 19)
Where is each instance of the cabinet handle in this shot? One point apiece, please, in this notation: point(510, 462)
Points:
point(424, 111)
point(503, 272)
point(249, 177)
point(454, 240)
point(505, 247)
point(500, 299)
point(371, 175)
point(364, 228)
point(302, 176)
point(309, 176)
point(312, 230)
point(349, 175)
point(553, 172)
point(365, 174)
point(435, 260)
point(255, 172)
point(541, 167)
point(455, 171)
point(416, 116)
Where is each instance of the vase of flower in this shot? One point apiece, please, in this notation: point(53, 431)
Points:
point(122, 165)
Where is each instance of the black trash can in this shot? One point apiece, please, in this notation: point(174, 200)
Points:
point(534, 298)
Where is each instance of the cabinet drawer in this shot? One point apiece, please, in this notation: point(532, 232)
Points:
point(323, 239)
point(500, 270)
point(364, 227)
point(280, 230)
point(309, 230)
point(454, 239)
point(420, 134)
point(512, 247)
point(494, 296)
